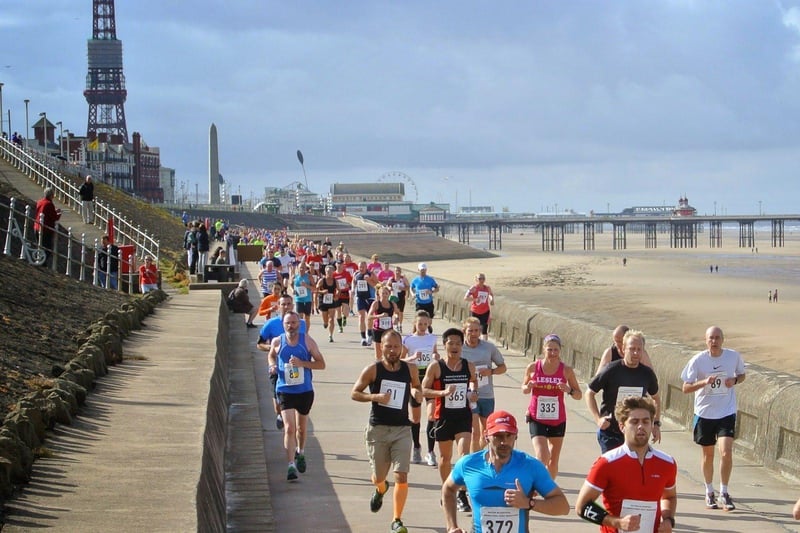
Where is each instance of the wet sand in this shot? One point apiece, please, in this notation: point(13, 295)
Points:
point(667, 293)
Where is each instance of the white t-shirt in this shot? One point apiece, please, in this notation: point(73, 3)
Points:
point(421, 343)
point(714, 401)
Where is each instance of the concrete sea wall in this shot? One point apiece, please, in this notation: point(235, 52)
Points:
point(768, 417)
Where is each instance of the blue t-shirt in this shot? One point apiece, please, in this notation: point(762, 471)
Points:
point(299, 279)
point(274, 328)
point(487, 488)
point(423, 288)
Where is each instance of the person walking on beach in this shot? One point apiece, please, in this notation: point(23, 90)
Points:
point(423, 288)
point(481, 299)
point(488, 362)
point(770, 296)
point(712, 375)
point(391, 383)
point(503, 482)
point(614, 352)
point(452, 383)
point(626, 377)
point(638, 483)
point(548, 380)
point(293, 356)
point(422, 352)
point(775, 296)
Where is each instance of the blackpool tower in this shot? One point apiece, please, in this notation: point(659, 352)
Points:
point(105, 82)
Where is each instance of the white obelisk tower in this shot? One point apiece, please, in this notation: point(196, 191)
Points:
point(213, 166)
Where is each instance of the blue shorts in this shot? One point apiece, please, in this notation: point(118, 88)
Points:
point(363, 304)
point(484, 408)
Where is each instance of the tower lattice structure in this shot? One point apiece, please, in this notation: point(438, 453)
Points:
point(105, 83)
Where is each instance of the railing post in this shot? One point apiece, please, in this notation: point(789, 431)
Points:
point(131, 266)
point(69, 252)
point(54, 251)
point(81, 275)
point(7, 248)
point(95, 273)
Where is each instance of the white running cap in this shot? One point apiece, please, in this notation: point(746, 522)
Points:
point(422, 266)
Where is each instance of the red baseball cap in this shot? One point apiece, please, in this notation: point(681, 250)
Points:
point(501, 421)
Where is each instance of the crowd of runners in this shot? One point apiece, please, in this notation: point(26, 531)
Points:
point(444, 384)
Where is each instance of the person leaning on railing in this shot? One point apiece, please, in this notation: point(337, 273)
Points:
point(148, 275)
point(44, 224)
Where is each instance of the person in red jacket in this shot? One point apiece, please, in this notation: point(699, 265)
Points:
point(481, 297)
point(44, 223)
point(148, 276)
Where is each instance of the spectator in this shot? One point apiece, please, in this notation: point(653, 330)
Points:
point(148, 276)
point(222, 258)
point(86, 193)
point(203, 245)
point(239, 302)
point(106, 267)
point(45, 222)
point(190, 244)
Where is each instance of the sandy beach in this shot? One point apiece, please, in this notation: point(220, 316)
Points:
point(667, 293)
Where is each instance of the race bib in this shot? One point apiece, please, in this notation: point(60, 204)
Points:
point(483, 297)
point(647, 510)
point(424, 360)
point(458, 398)
point(482, 380)
point(396, 390)
point(385, 322)
point(500, 520)
point(361, 285)
point(293, 375)
point(327, 298)
point(547, 408)
point(624, 392)
point(341, 283)
point(315, 265)
point(269, 286)
point(424, 294)
point(395, 288)
point(301, 292)
point(717, 387)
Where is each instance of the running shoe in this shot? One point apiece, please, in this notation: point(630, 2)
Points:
point(430, 459)
point(376, 502)
point(416, 456)
point(727, 501)
point(279, 422)
point(330, 338)
point(363, 342)
point(292, 475)
point(341, 329)
point(462, 502)
point(344, 321)
point(300, 460)
point(711, 501)
point(398, 527)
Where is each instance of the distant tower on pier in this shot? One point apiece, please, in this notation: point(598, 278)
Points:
point(213, 166)
point(105, 82)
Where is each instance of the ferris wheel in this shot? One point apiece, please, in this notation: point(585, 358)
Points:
point(395, 176)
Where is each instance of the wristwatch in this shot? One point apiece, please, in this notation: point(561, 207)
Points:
point(671, 520)
point(657, 423)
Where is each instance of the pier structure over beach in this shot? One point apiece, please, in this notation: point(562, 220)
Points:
point(683, 231)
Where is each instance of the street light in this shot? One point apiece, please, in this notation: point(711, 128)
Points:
point(43, 114)
point(66, 132)
point(27, 127)
point(60, 138)
point(1, 112)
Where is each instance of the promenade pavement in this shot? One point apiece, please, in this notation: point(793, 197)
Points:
point(131, 460)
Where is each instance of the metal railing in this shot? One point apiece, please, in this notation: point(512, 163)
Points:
point(62, 251)
point(39, 168)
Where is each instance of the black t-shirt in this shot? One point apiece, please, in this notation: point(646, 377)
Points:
point(617, 375)
point(395, 413)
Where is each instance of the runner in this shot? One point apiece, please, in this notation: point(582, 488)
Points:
point(303, 287)
point(292, 356)
point(391, 383)
point(481, 299)
point(488, 362)
point(399, 288)
point(448, 381)
point(381, 315)
point(547, 380)
point(503, 484)
point(328, 302)
point(343, 282)
point(423, 288)
point(364, 288)
point(422, 351)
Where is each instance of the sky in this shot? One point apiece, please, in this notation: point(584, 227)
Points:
point(531, 106)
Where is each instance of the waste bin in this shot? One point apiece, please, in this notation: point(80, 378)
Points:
point(127, 258)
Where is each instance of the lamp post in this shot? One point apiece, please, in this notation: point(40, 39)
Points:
point(66, 132)
point(60, 138)
point(1, 112)
point(27, 127)
point(43, 114)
